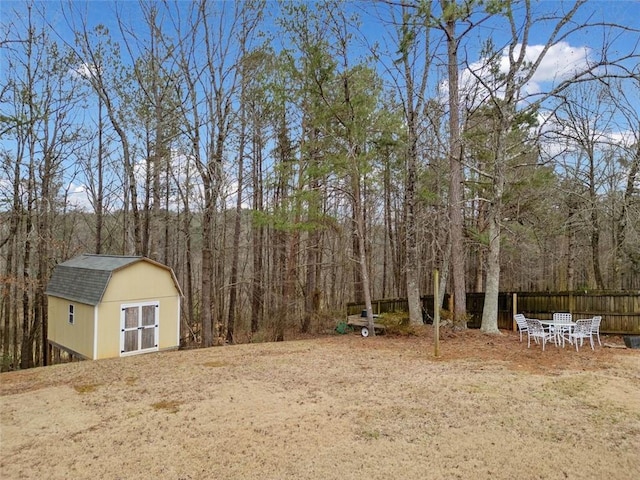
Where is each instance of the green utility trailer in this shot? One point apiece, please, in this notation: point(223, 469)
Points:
point(362, 323)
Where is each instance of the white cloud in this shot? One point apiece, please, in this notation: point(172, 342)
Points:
point(84, 70)
point(559, 62)
point(625, 138)
point(78, 197)
point(556, 138)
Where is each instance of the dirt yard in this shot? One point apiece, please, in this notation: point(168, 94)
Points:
point(335, 407)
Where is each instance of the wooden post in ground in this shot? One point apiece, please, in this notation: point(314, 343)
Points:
point(436, 315)
point(514, 326)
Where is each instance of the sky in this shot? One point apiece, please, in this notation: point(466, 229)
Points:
point(572, 52)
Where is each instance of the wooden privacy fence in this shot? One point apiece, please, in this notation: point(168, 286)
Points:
point(620, 311)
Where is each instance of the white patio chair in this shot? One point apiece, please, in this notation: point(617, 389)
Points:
point(562, 317)
point(521, 321)
point(537, 331)
point(559, 330)
point(595, 328)
point(580, 331)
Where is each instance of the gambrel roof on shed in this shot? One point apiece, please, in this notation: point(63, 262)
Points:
point(85, 278)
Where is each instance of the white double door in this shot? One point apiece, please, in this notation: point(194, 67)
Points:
point(139, 327)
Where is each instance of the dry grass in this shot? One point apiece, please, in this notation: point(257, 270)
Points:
point(170, 406)
point(338, 407)
point(87, 388)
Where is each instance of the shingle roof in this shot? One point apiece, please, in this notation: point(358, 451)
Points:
point(85, 278)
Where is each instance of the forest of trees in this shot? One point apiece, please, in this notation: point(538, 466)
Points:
point(285, 158)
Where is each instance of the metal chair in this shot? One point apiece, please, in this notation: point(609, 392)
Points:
point(595, 328)
point(537, 331)
point(561, 331)
point(580, 331)
point(521, 321)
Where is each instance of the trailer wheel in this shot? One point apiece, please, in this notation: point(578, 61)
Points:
point(364, 332)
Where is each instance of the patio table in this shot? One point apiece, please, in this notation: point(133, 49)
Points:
point(561, 329)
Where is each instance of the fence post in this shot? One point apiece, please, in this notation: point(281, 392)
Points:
point(515, 311)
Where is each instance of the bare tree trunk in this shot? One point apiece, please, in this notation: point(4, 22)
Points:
point(414, 99)
point(411, 267)
point(362, 260)
point(622, 218)
point(235, 254)
point(188, 274)
point(99, 193)
point(184, 189)
point(207, 273)
point(45, 240)
point(26, 347)
point(312, 292)
point(571, 261)
point(9, 291)
point(444, 277)
point(285, 245)
point(595, 250)
point(356, 271)
point(480, 226)
point(456, 199)
point(257, 290)
point(219, 294)
point(595, 225)
point(314, 202)
point(247, 71)
point(6, 305)
point(490, 310)
point(146, 208)
point(389, 276)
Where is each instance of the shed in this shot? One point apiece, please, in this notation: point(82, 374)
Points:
point(102, 306)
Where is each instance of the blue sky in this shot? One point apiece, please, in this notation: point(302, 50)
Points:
point(625, 12)
point(585, 44)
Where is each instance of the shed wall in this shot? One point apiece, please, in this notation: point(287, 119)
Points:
point(77, 337)
point(140, 282)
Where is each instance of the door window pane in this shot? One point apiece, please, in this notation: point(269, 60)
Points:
point(148, 337)
point(131, 340)
point(148, 315)
point(131, 317)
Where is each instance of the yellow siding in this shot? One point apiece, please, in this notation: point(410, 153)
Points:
point(140, 282)
point(169, 322)
point(77, 337)
point(108, 330)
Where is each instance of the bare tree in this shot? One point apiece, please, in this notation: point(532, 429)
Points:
point(250, 17)
point(153, 103)
point(625, 228)
point(415, 50)
point(46, 136)
point(210, 80)
point(504, 88)
point(585, 119)
point(452, 15)
point(100, 63)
